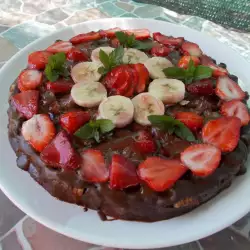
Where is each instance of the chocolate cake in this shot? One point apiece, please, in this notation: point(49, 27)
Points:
point(136, 127)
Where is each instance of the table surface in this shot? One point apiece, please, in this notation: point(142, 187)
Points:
point(23, 21)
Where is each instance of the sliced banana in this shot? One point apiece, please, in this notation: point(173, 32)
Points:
point(145, 105)
point(95, 53)
point(133, 56)
point(88, 95)
point(155, 65)
point(118, 109)
point(169, 91)
point(85, 72)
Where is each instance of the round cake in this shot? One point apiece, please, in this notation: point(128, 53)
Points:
point(136, 126)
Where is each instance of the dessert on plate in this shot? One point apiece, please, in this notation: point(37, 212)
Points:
point(137, 127)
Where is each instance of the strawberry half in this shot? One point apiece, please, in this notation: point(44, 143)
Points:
point(168, 40)
point(144, 142)
point(140, 34)
point(61, 46)
point(114, 42)
point(73, 120)
point(191, 49)
point(38, 59)
point(60, 153)
point(143, 77)
point(88, 37)
point(26, 102)
point(203, 87)
point(236, 108)
point(38, 131)
point(160, 50)
point(228, 90)
point(190, 119)
point(93, 166)
point(201, 159)
point(29, 79)
point(160, 174)
point(223, 133)
point(184, 61)
point(122, 173)
point(109, 33)
point(60, 86)
point(76, 55)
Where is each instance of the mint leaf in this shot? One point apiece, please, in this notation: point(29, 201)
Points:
point(104, 58)
point(116, 56)
point(175, 72)
point(85, 132)
point(105, 125)
point(202, 72)
point(122, 37)
point(143, 45)
point(183, 132)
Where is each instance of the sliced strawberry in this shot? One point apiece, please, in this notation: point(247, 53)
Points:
point(93, 166)
point(109, 33)
point(223, 133)
point(168, 40)
point(160, 174)
point(73, 120)
point(160, 50)
point(143, 76)
point(60, 86)
point(26, 102)
point(114, 42)
point(144, 142)
point(203, 87)
point(38, 131)
point(83, 38)
point(236, 108)
point(217, 71)
point(228, 90)
point(38, 59)
point(190, 119)
point(61, 46)
point(184, 61)
point(140, 34)
point(122, 173)
point(76, 55)
point(201, 159)
point(191, 49)
point(29, 79)
point(60, 153)
point(130, 90)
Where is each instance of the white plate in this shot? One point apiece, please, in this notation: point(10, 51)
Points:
point(70, 220)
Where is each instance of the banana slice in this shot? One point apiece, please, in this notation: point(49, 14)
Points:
point(155, 65)
point(95, 53)
point(85, 72)
point(133, 56)
point(118, 109)
point(169, 91)
point(145, 105)
point(88, 95)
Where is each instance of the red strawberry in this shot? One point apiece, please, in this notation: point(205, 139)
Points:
point(160, 50)
point(184, 61)
point(61, 46)
point(60, 86)
point(60, 153)
point(160, 174)
point(217, 71)
point(203, 87)
point(38, 59)
point(144, 142)
point(143, 76)
point(73, 120)
point(140, 34)
point(168, 40)
point(223, 133)
point(201, 159)
point(83, 38)
point(122, 173)
point(93, 166)
point(29, 79)
point(236, 108)
point(109, 33)
point(26, 102)
point(228, 90)
point(190, 119)
point(114, 42)
point(191, 49)
point(76, 55)
point(38, 131)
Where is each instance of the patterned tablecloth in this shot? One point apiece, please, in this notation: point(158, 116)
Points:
point(23, 21)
